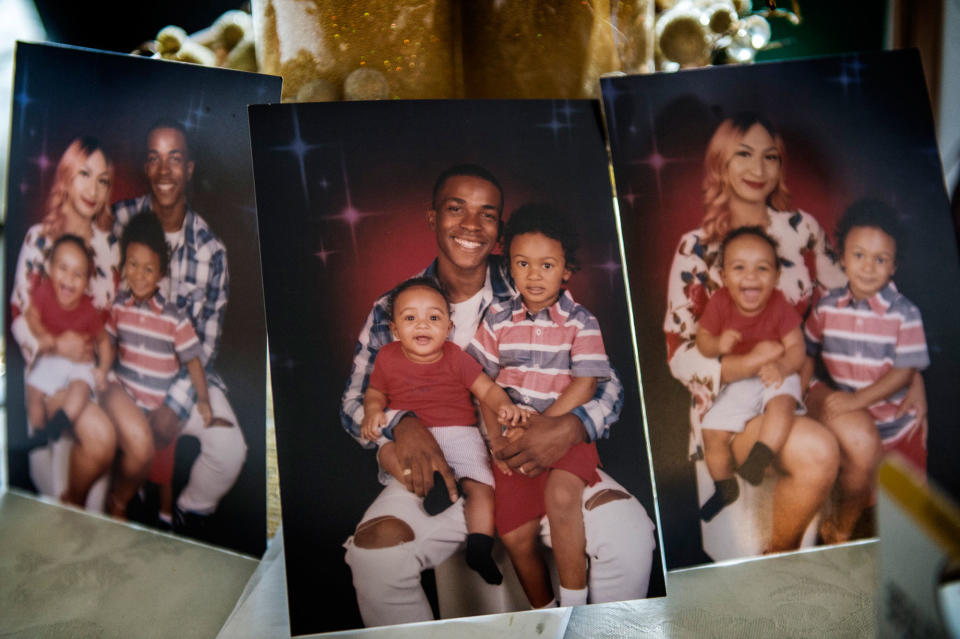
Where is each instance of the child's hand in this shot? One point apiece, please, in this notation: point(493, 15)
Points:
point(206, 412)
point(770, 375)
point(511, 415)
point(99, 380)
point(372, 424)
point(839, 402)
point(766, 351)
point(728, 339)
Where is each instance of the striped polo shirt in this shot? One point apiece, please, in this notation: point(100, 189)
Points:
point(861, 340)
point(535, 356)
point(152, 338)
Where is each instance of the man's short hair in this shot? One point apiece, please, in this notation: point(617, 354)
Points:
point(470, 170)
point(170, 123)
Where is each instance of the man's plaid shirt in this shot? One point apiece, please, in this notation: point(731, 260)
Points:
point(607, 402)
point(199, 283)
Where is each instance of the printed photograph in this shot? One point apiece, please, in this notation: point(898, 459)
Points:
point(794, 276)
point(459, 424)
point(135, 338)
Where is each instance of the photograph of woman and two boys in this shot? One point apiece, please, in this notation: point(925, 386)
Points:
point(804, 292)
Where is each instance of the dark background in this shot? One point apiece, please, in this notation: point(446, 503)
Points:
point(376, 163)
point(61, 93)
point(853, 126)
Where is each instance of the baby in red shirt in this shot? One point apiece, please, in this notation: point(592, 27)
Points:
point(750, 323)
point(424, 373)
point(58, 304)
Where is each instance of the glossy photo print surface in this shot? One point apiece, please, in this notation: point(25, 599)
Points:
point(136, 342)
point(787, 237)
point(356, 198)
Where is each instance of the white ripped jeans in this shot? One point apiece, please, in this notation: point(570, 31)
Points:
point(620, 547)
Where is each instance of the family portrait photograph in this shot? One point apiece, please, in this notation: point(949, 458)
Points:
point(135, 338)
point(459, 423)
point(794, 285)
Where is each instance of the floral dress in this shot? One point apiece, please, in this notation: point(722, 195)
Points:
point(32, 264)
point(808, 269)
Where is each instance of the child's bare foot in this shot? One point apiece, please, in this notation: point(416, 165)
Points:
point(830, 534)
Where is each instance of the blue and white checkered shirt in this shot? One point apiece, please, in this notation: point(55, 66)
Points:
point(607, 401)
point(198, 283)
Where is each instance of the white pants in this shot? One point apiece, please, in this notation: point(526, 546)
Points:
point(222, 453)
point(620, 547)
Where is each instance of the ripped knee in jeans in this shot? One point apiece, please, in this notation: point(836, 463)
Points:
point(605, 496)
point(382, 532)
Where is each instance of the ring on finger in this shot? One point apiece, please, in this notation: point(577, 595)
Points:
point(407, 471)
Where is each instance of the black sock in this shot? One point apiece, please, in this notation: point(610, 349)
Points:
point(438, 499)
point(56, 425)
point(725, 494)
point(757, 461)
point(480, 557)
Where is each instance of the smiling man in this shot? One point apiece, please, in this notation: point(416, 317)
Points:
point(396, 539)
point(198, 283)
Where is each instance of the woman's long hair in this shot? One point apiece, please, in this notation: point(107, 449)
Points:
point(70, 162)
point(716, 184)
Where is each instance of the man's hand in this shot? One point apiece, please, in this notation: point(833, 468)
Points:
point(206, 412)
point(74, 346)
point(543, 441)
point(419, 456)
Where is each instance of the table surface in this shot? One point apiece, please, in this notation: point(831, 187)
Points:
point(66, 573)
point(826, 592)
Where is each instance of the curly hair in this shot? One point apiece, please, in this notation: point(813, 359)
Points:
point(543, 218)
point(145, 228)
point(716, 184)
point(868, 212)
